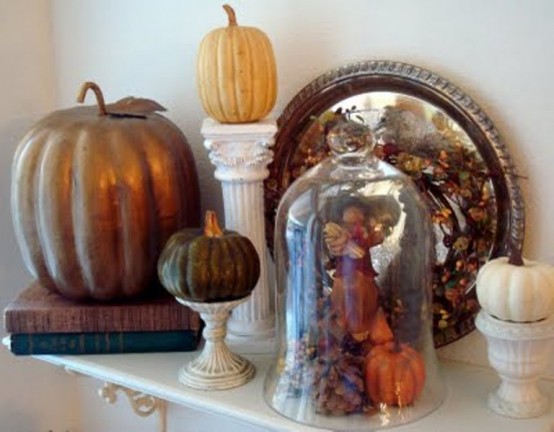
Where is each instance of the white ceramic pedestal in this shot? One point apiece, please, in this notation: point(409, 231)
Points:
point(216, 368)
point(241, 153)
point(519, 352)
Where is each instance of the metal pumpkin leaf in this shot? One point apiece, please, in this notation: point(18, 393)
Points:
point(134, 107)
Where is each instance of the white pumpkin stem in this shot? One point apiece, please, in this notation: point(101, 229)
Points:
point(514, 256)
point(211, 226)
point(231, 15)
point(97, 92)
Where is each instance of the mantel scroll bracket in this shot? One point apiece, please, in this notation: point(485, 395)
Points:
point(142, 404)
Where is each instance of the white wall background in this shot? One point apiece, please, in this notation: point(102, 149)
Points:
point(497, 51)
point(33, 396)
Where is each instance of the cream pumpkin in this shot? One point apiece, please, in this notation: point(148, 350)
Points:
point(520, 293)
point(96, 192)
point(236, 73)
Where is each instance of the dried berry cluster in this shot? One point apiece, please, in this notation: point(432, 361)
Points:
point(297, 375)
point(456, 182)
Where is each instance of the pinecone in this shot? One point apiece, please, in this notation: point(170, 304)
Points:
point(338, 386)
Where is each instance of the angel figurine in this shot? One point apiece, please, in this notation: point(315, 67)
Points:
point(355, 292)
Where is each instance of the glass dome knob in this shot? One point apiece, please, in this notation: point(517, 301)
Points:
point(349, 137)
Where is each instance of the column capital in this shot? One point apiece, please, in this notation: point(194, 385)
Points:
point(240, 152)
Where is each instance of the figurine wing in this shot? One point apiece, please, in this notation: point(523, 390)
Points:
point(338, 241)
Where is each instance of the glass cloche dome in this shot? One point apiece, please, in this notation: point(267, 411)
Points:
point(353, 256)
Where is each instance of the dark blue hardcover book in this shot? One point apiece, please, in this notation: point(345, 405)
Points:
point(103, 343)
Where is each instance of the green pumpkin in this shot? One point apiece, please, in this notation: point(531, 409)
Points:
point(209, 265)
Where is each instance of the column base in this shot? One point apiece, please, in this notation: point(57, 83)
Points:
point(246, 345)
point(251, 337)
point(252, 329)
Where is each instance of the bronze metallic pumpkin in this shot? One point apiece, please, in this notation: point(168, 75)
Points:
point(210, 265)
point(97, 191)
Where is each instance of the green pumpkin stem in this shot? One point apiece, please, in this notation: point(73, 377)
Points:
point(211, 226)
point(231, 15)
point(97, 92)
point(514, 255)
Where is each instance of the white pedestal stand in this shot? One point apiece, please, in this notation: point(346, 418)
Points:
point(241, 153)
point(216, 368)
point(519, 352)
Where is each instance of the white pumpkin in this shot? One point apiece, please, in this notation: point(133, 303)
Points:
point(520, 293)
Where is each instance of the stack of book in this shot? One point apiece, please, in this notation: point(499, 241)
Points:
point(42, 322)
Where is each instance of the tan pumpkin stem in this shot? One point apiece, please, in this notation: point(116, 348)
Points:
point(231, 15)
point(211, 226)
point(97, 92)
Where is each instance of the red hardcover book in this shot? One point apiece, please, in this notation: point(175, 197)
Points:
point(38, 310)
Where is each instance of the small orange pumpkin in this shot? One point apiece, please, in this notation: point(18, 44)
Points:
point(394, 374)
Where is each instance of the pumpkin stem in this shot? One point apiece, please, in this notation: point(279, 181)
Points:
point(97, 92)
point(211, 226)
point(231, 15)
point(514, 255)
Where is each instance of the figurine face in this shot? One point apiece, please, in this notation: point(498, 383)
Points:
point(352, 216)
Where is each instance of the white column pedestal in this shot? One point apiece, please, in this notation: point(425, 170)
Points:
point(241, 153)
point(519, 352)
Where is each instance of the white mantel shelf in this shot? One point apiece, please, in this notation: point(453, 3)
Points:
point(464, 408)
